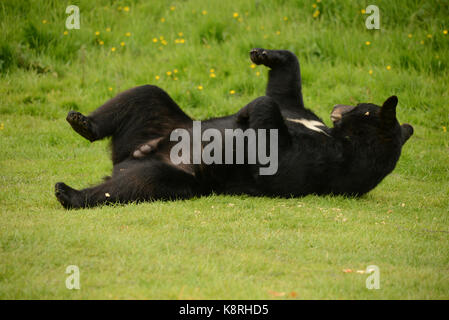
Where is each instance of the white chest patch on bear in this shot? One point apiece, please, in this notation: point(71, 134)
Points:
point(310, 124)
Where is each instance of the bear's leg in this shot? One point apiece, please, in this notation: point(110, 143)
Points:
point(264, 113)
point(132, 117)
point(136, 109)
point(284, 78)
point(138, 181)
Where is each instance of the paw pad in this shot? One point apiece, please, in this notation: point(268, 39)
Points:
point(259, 56)
point(81, 125)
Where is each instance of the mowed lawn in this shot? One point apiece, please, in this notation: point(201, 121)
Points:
point(220, 247)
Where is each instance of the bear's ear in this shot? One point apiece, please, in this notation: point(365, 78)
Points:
point(339, 110)
point(388, 111)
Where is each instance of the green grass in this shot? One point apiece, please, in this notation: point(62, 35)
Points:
point(217, 246)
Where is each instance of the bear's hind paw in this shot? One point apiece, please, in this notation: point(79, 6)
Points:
point(81, 124)
point(66, 195)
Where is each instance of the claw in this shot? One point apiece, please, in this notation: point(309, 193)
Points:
point(146, 148)
point(138, 154)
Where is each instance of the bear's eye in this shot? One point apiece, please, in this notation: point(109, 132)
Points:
point(367, 113)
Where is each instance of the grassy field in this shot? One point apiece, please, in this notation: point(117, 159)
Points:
point(217, 246)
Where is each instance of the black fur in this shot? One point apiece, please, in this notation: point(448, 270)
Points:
point(351, 158)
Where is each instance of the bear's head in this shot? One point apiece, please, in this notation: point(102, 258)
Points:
point(372, 139)
point(367, 119)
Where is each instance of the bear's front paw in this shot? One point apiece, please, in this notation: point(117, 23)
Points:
point(259, 56)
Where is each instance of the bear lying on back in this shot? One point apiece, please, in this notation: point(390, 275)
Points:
point(351, 158)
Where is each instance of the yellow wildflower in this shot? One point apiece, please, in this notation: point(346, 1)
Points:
point(316, 13)
point(168, 73)
point(388, 67)
point(235, 15)
point(172, 8)
point(175, 70)
point(445, 32)
point(97, 33)
point(122, 44)
point(66, 32)
point(212, 75)
point(367, 43)
point(252, 66)
point(162, 20)
point(113, 49)
point(410, 35)
point(126, 9)
point(204, 12)
point(363, 11)
point(232, 92)
point(212, 70)
point(257, 73)
point(200, 87)
point(154, 40)
point(44, 21)
point(370, 72)
point(157, 77)
point(108, 29)
point(101, 42)
point(128, 34)
point(180, 34)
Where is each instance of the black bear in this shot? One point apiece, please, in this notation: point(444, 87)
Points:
point(351, 158)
